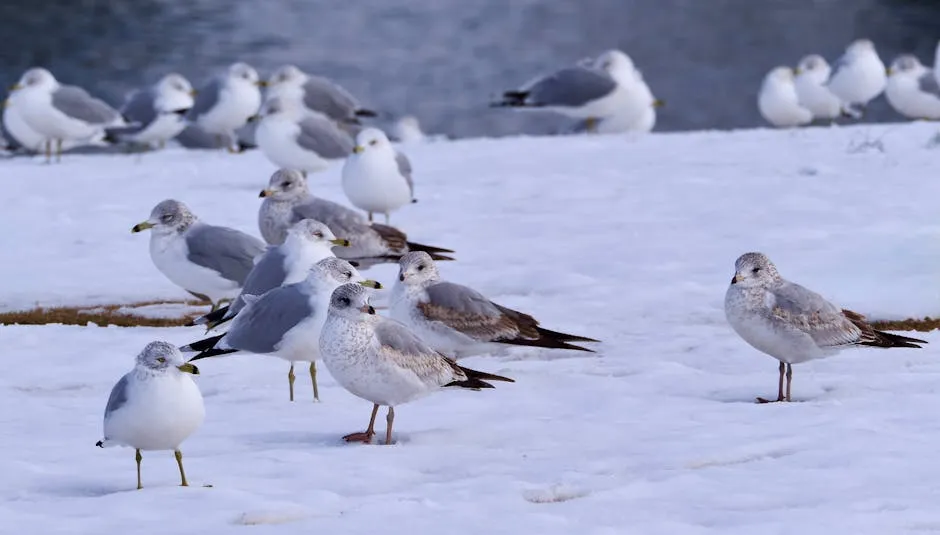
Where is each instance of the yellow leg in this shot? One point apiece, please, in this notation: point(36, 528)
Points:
point(590, 124)
point(179, 460)
point(290, 380)
point(58, 150)
point(313, 379)
point(138, 457)
point(48, 150)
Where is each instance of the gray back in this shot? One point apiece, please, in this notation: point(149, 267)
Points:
point(320, 135)
point(328, 98)
point(404, 167)
point(206, 99)
point(259, 328)
point(77, 103)
point(341, 220)
point(227, 251)
point(928, 84)
point(269, 272)
point(573, 86)
point(118, 396)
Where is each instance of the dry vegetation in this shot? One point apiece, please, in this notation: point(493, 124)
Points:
point(120, 315)
point(911, 324)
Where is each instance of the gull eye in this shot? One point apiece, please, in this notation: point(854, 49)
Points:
point(166, 218)
point(161, 360)
point(318, 234)
point(348, 274)
point(755, 270)
point(421, 267)
point(373, 142)
point(344, 301)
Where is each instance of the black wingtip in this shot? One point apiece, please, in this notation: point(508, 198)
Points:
point(565, 337)
point(212, 353)
point(366, 113)
point(100, 443)
point(430, 249)
point(203, 345)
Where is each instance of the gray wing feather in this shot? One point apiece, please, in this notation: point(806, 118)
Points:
point(326, 97)
point(229, 252)
point(261, 325)
point(809, 312)
point(139, 108)
point(194, 137)
point(461, 300)
point(928, 84)
point(320, 135)
point(573, 86)
point(341, 220)
point(269, 273)
point(206, 99)
point(406, 350)
point(118, 396)
point(78, 104)
point(839, 65)
point(404, 167)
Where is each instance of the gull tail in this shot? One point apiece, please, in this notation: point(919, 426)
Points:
point(564, 337)
point(873, 338)
point(545, 342)
point(366, 113)
point(476, 379)
point(435, 252)
point(202, 345)
point(213, 318)
point(512, 99)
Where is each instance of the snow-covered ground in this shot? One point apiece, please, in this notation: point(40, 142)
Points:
point(629, 241)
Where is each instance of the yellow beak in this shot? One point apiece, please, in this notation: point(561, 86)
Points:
point(266, 193)
point(889, 71)
point(16, 87)
point(263, 83)
point(659, 103)
point(142, 226)
point(369, 283)
point(189, 368)
point(340, 242)
point(358, 149)
point(193, 92)
point(6, 103)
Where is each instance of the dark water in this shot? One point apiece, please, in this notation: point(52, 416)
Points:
point(442, 60)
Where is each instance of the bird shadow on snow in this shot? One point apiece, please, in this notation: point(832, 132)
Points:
point(298, 438)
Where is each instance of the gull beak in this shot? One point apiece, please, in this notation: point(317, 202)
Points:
point(889, 71)
point(16, 87)
point(358, 149)
point(369, 283)
point(6, 103)
point(189, 368)
point(193, 92)
point(262, 83)
point(659, 103)
point(266, 193)
point(735, 279)
point(140, 227)
point(340, 242)
point(254, 118)
point(367, 309)
point(401, 276)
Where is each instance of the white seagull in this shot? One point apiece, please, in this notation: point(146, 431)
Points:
point(912, 89)
point(227, 101)
point(156, 112)
point(376, 177)
point(778, 101)
point(859, 75)
point(316, 93)
point(812, 74)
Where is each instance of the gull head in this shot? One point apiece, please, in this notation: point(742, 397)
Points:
point(905, 64)
point(314, 232)
point(351, 301)
point(781, 74)
point(285, 185)
point(814, 64)
point(175, 83)
point(286, 75)
point(417, 268)
point(374, 141)
point(615, 61)
point(754, 270)
point(861, 47)
point(163, 357)
point(36, 78)
point(167, 216)
point(334, 271)
point(244, 72)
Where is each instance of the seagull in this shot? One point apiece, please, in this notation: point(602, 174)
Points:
point(859, 75)
point(791, 323)
point(155, 406)
point(912, 89)
point(156, 112)
point(207, 261)
point(936, 63)
point(15, 127)
point(226, 102)
point(378, 359)
point(287, 199)
point(285, 321)
point(308, 241)
point(316, 93)
point(812, 73)
point(376, 177)
point(296, 139)
point(458, 320)
point(60, 113)
point(407, 129)
point(778, 101)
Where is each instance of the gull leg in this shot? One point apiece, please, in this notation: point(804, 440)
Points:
point(58, 150)
point(48, 151)
point(138, 457)
point(789, 379)
point(386, 218)
point(783, 368)
point(389, 418)
point(365, 436)
point(370, 217)
point(590, 124)
point(290, 380)
point(313, 379)
point(179, 460)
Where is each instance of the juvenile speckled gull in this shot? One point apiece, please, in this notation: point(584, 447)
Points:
point(859, 75)
point(156, 112)
point(155, 406)
point(458, 320)
point(912, 89)
point(60, 113)
point(308, 241)
point(207, 261)
point(227, 101)
point(376, 177)
point(296, 139)
point(378, 359)
point(316, 93)
point(812, 74)
point(778, 102)
point(285, 321)
point(287, 200)
point(791, 323)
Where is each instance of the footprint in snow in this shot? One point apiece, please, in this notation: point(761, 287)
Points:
point(554, 494)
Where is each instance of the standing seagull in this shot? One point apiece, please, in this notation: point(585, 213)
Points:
point(912, 89)
point(60, 113)
point(287, 199)
point(227, 102)
point(376, 177)
point(791, 323)
point(308, 241)
point(156, 112)
point(207, 261)
point(859, 75)
point(778, 101)
point(155, 406)
point(459, 320)
point(380, 360)
point(316, 93)
point(285, 321)
point(296, 139)
point(812, 74)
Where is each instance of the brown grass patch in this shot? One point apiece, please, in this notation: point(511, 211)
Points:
point(924, 324)
point(100, 315)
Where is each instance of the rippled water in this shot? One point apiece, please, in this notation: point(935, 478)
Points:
point(442, 60)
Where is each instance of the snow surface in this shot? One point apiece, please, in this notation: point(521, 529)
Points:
point(630, 241)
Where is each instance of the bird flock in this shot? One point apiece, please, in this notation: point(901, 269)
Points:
point(816, 91)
